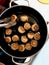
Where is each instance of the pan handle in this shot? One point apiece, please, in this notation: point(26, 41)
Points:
point(17, 0)
point(25, 63)
point(10, 4)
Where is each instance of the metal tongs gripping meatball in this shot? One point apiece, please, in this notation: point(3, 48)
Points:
point(8, 22)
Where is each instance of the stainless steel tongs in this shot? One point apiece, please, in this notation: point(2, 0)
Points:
point(7, 24)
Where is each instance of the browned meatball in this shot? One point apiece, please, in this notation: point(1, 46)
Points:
point(2, 63)
point(21, 48)
point(15, 38)
point(24, 39)
point(8, 39)
point(8, 31)
point(24, 18)
point(14, 46)
point(34, 43)
point(35, 27)
point(37, 36)
point(21, 29)
point(27, 26)
point(30, 35)
point(13, 17)
point(28, 46)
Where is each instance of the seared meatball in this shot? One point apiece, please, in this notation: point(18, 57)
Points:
point(8, 31)
point(13, 17)
point(35, 27)
point(27, 26)
point(21, 48)
point(37, 36)
point(2, 63)
point(24, 39)
point(15, 38)
point(28, 46)
point(30, 35)
point(24, 18)
point(34, 43)
point(14, 46)
point(8, 39)
point(21, 29)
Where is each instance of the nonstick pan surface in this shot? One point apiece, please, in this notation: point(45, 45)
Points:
point(18, 10)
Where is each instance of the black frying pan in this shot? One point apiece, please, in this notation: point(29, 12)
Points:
point(42, 28)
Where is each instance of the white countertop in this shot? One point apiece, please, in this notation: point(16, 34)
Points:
point(43, 57)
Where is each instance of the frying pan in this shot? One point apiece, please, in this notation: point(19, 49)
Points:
point(42, 28)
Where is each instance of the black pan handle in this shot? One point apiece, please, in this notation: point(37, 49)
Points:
point(16, 0)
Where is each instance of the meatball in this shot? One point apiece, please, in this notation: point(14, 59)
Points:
point(21, 29)
point(8, 39)
point(21, 48)
point(30, 35)
point(24, 18)
point(37, 36)
point(13, 17)
point(27, 26)
point(8, 31)
point(15, 38)
point(24, 39)
point(34, 43)
point(35, 27)
point(28, 46)
point(2, 63)
point(14, 46)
